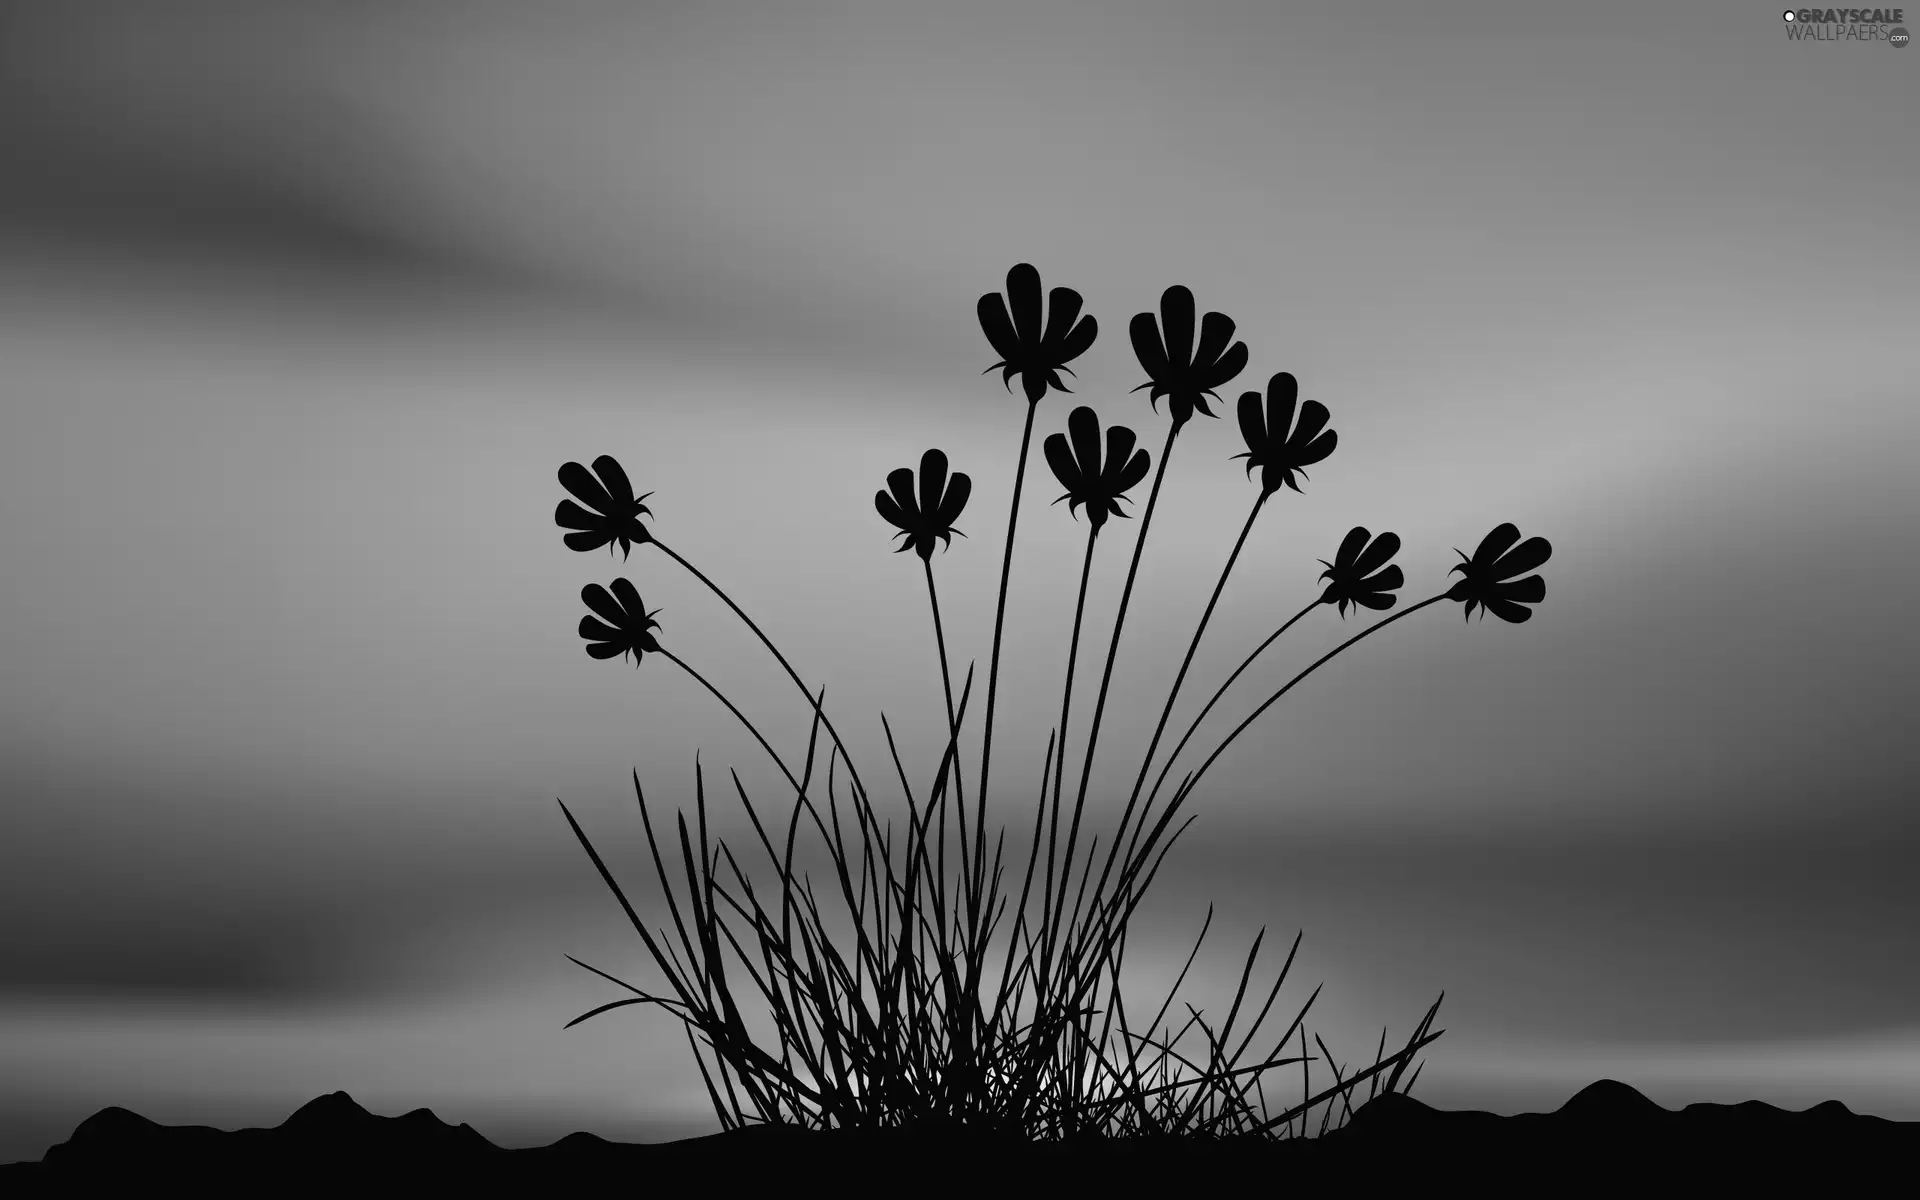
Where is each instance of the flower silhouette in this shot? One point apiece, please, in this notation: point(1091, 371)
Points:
point(628, 622)
point(1081, 472)
point(1352, 566)
point(1175, 369)
point(1270, 447)
point(933, 515)
point(1023, 349)
point(617, 515)
point(1488, 576)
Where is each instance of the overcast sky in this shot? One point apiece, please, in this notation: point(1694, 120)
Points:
point(302, 308)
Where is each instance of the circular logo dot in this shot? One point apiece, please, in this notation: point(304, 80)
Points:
point(1787, 15)
point(1897, 36)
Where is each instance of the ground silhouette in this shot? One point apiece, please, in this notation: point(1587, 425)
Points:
point(1608, 1136)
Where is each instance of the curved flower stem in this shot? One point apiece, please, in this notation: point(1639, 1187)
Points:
point(940, 640)
point(1186, 788)
point(681, 663)
point(791, 673)
point(1173, 693)
point(953, 736)
point(1188, 736)
point(976, 958)
point(1066, 703)
point(1106, 678)
point(993, 666)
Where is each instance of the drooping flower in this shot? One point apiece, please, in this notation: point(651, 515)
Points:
point(1088, 481)
point(1488, 576)
point(1352, 572)
point(628, 622)
point(933, 514)
point(1271, 447)
point(1024, 349)
point(617, 515)
point(1174, 368)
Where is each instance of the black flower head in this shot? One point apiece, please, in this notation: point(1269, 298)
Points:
point(617, 515)
point(1270, 447)
point(932, 515)
point(628, 622)
point(1081, 472)
point(1352, 571)
point(1489, 577)
point(1175, 369)
point(1023, 349)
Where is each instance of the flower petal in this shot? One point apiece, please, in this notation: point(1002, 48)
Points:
point(1281, 391)
point(1147, 348)
point(1231, 364)
point(1523, 558)
point(1350, 548)
point(1506, 611)
point(959, 488)
point(1076, 343)
point(607, 649)
point(1386, 581)
point(571, 516)
point(588, 541)
point(1176, 325)
point(998, 328)
point(1316, 450)
point(576, 479)
point(1216, 330)
point(1313, 419)
point(933, 481)
point(1083, 427)
point(1253, 429)
point(1495, 544)
point(901, 483)
point(1061, 460)
point(619, 487)
point(629, 599)
point(1063, 308)
point(595, 631)
point(1023, 297)
point(889, 511)
point(1384, 547)
point(597, 599)
point(1531, 590)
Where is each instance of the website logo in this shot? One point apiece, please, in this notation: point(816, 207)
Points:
point(1847, 25)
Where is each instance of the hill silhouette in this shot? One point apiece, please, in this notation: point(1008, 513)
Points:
point(1607, 1136)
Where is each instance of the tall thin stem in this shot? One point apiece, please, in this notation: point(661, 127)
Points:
point(1106, 678)
point(993, 664)
point(975, 942)
point(1066, 703)
point(781, 658)
point(1173, 693)
point(681, 663)
point(953, 727)
point(1186, 788)
point(960, 803)
point(1188, 736)
point(940, 640)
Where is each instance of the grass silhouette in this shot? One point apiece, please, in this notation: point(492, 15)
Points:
point(892, 1032)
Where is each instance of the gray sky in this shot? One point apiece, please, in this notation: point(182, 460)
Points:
point(303, 306)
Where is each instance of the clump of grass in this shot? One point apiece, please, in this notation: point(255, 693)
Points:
point(893, 1030)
